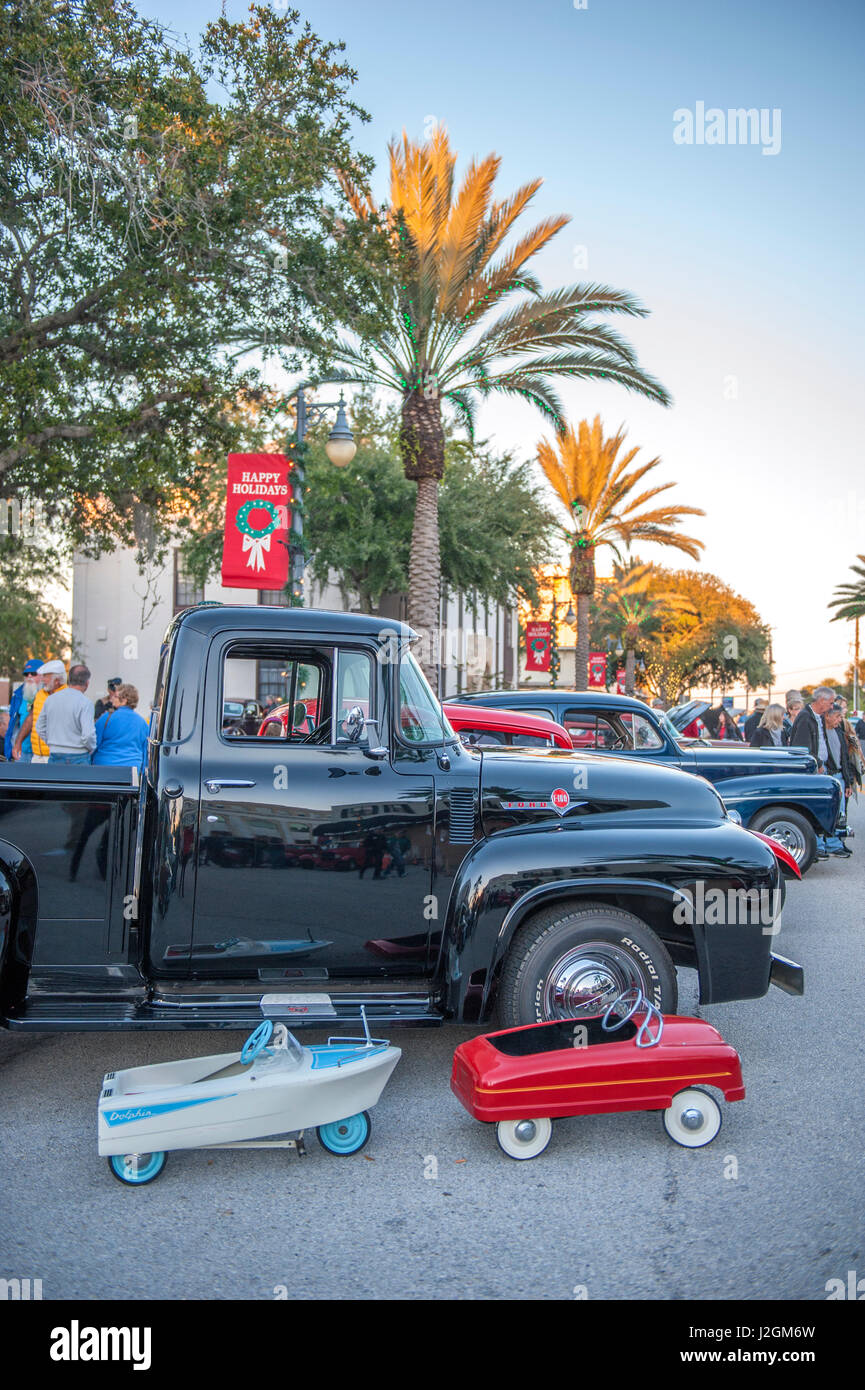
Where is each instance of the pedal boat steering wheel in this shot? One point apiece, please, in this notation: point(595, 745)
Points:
point(256, 1042)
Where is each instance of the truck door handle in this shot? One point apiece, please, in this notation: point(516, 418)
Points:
point(217, 783)
point(173, 789)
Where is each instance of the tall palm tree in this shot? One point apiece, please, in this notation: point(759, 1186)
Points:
point(596, 488)
point(849, 599)
point(450, 271)
point(630, 608)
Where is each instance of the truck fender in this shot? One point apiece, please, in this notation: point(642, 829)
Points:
point(18, 917)
point(490, 901)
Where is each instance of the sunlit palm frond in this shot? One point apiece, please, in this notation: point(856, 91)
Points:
point(596, 483)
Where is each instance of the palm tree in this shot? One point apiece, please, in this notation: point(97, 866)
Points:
point(850, 598)
point(595, 487)
point(849, 601)
point(449, 273)
point(630, 609)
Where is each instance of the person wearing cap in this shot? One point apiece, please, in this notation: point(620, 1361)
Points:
point(65, 721)
point(53, 677)
point(19, 709)
point(752, 722)
point(106, 702)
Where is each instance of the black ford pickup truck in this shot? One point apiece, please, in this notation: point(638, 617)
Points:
point(364, 856)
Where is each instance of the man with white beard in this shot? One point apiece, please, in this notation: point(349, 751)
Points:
point(19, 708)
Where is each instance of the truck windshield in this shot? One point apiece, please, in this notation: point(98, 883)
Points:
point(421, 718)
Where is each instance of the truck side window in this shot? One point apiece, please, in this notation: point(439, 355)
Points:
point(275, 692)
point(353, 687)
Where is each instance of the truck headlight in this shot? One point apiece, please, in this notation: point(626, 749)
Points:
point(734, 817)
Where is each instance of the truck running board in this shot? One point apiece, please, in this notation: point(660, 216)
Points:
point(57, 1015)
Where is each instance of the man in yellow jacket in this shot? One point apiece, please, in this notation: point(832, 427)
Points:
point(53, 676)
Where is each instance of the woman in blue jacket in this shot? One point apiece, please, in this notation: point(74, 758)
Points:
point(121, 733)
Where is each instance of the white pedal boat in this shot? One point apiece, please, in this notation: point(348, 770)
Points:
point(244, 1100)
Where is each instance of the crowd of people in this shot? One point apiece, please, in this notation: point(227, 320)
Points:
point(51, 720)
point(824, 725)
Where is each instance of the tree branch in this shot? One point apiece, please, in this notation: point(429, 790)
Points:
point(145, 416)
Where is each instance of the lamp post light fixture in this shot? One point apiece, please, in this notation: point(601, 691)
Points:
point(340, 449)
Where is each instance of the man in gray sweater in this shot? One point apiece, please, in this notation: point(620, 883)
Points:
point(66, 721)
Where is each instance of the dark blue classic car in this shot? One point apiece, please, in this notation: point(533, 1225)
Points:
point(775, 790)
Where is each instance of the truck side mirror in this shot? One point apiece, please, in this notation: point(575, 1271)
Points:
point(374, 750)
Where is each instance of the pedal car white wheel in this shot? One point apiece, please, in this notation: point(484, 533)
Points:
point(136, 1169)
point(693, 1119)
point(344, 1137)
point(524, 1138)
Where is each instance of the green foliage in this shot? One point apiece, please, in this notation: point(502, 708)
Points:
point(161, 215)
point(495, 529)
point(359, 518)
point(28, 625)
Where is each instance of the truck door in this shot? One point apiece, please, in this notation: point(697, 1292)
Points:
point(314, 855)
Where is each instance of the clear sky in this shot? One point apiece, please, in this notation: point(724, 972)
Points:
point(748, 261)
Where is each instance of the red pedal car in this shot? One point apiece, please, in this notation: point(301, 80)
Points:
point(629, 1058)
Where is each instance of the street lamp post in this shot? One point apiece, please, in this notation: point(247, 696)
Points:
point(340, 449)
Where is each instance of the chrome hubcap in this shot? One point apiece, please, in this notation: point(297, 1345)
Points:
point(525, 1131)
point(588, 978)
point(692, 1119)
point(790, 836)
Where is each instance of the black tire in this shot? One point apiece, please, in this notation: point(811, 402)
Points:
point(627, 950)
point(801, 833)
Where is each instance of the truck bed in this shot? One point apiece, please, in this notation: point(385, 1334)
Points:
point(76, 826)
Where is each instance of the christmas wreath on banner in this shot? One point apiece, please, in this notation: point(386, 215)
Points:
point(539, 645)
point(256, 540)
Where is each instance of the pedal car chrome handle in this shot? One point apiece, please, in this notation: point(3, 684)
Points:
point(215, 784)
point(634, 1000)
point(256, 1042)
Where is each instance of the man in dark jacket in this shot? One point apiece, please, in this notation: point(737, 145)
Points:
point(754, 719)
point(809, 731)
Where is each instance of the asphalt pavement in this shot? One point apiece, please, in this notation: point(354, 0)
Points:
point(433, 1209)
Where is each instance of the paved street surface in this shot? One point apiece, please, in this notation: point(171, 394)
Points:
point(613, 1205)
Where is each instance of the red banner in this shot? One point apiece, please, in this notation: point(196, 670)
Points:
point(257, 521)
point(620, 680)
point(538, 638)
point(597, 670)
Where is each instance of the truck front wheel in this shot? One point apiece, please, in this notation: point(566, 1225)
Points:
point(573, 962)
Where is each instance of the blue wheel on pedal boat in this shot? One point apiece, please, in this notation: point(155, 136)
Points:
point(345, 1136)
point(136, 1169)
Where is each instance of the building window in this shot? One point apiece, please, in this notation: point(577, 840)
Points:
point(271, 683)
point(273, 596)
point(186, 592)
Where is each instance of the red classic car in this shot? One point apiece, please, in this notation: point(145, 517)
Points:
point(476, 725)
point(497, 728)
point(629, 1058)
